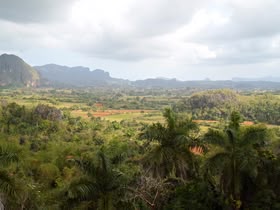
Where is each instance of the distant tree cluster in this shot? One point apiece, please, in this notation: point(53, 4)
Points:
point(48, 113)
point(218, 104)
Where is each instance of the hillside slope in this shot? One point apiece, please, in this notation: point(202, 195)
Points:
point(15, 72)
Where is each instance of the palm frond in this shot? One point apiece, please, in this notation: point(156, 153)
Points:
point(8, 154)
point(156, 131)
point(185, 126)
point(255, 135)
point(170, 118)
point(7, 184)
point(215, 162)
point(80, 188)
point(85, 165)
point(215, 137)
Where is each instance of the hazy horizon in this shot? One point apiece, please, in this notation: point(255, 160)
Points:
point(187, 40)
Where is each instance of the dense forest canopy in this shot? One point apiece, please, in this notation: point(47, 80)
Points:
point(52, 158)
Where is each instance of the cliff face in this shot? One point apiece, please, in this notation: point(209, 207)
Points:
point(15, 72)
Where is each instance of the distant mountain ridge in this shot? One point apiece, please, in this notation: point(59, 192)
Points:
point(206, 84)
point(15, 72)
point(267, 79)
point(77, 76)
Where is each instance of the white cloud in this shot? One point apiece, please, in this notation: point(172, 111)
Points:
point(157, 33)
point(30, 11)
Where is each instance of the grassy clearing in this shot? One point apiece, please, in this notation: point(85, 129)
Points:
point(146, 116)
point(120, 117)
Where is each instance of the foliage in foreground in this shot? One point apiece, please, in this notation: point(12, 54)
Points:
point(51, 160)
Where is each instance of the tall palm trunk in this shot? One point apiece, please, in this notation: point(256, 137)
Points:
point(235, 191)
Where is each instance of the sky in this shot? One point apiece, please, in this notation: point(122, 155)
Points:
point(132, 39)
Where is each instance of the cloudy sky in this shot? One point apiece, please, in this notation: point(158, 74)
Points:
point(183, 39)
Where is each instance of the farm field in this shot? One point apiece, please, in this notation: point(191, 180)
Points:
point(121, 105)
point(119, 115)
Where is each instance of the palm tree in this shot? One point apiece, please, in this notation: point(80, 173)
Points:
point(170, 142)
point(235, 156)
point(98, 187)
point(8, 155)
